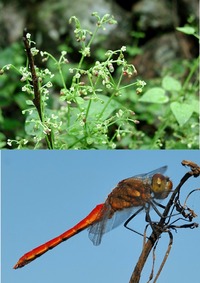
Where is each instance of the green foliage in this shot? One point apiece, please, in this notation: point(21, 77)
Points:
point(12, 100)
point(155, 95)
point(93, 105)
point(87, 107)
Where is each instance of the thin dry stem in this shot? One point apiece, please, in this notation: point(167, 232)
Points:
point(161, 226)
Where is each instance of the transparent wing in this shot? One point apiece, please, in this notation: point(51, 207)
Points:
point(143, 176)
point(97, 230)
point(110, 220)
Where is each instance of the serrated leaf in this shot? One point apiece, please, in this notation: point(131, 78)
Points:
point(182, 112)
point(155, 95)
point(170, 84)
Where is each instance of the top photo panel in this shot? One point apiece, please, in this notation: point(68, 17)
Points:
point(111, 75)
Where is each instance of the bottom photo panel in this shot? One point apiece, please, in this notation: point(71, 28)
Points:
point(100, 216)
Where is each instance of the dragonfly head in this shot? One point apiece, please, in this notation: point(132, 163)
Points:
point(161, 186)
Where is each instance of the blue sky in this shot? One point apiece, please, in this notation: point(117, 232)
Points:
point(44, 193)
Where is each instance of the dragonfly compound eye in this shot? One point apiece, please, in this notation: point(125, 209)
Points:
point(161, 186)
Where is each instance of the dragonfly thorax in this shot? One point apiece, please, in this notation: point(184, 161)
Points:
point(130, 192)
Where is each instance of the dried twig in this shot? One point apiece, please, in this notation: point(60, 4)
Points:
point(37, 95)
point(36, 89)
point(162, 226)
point(165, 257)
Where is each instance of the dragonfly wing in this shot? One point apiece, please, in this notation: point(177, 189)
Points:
point(160, 170)
point(98, 229)
point(109, 220)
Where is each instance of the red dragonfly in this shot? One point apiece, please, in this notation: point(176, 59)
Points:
point(139, 191)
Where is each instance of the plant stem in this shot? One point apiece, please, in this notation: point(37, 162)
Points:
point(155, 235)
point(194, 68)
point(36, 88)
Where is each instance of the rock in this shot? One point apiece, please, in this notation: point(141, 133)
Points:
point(158, 54)
point(54, 19)
point(153, 14)
point(12, 22)
point(48, 21)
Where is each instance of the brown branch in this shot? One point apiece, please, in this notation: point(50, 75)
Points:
point(195, 169)
point(165, 257)
point(135, 278)
point(161, 226)
point(36, 89)
point(37, 95)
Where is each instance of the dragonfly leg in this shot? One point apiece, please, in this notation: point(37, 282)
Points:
point(154, 225)
point(130, 218)
point(153, 205)
point(159, 204)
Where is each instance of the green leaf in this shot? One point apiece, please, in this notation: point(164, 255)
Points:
point(170, 84)
point(195, 105)
point(186, 29)
point(32, 125)
point(29, 102)
point(101, 106)
point(80, 100)
point(155, 95)
point(182, 112)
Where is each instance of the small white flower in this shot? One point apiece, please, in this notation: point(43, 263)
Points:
point(120, 113)
point(82, 123)
point(47, 72)
point(64, 53)
point(86, 51)
point(8, 66)
point(34, 51)
point(141, 83)
point(45, 92)
point(9, 142)
point(113, 145)
point(53, 116)
point(28, 35)
point(98, 126)
point(24, 88)
point(25, 141)
point(77, 76)
point(49, 84)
